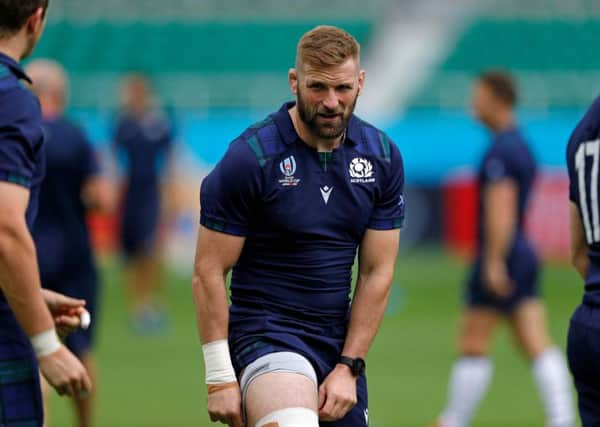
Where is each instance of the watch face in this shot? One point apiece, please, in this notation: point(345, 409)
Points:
point(357, 366)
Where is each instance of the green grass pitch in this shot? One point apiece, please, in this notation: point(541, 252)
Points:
point(157, 381)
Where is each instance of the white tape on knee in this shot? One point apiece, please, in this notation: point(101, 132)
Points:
point(290, 417)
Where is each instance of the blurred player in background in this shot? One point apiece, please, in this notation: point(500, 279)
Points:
point(72, 185)
point(143, 142)
point(504, 278)
point(583, 155)
point(28, 314)
point(287, 207)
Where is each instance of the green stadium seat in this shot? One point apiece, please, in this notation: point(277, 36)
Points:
point(222, 57)
point(553, 59)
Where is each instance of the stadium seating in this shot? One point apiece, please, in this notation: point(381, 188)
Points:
point(234, 54)
point(551, 49)
point(197, 47)
point(211, 10)
point(200, 54)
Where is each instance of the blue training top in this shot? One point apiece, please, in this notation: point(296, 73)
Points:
point(143, 145)
point(303, 214)
point(583, 155)
point(21, 138)
point(508, 157)
point(61, 234)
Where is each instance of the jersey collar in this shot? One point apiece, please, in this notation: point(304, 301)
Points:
point(284, 123)
point(14, 67)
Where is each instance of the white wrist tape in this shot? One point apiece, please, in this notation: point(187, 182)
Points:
point(45, 343)
point(217, 363)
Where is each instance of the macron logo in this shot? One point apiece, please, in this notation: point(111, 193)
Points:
point(325, 193)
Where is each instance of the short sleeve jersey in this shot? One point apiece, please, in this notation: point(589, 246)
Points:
point(21, 137)
point(60, 232)
point(303, 214)
point(508, 157)
point(143, 145)
point(583, 157)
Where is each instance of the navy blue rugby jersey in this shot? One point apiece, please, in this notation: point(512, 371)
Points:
point(61, 234)
point(583, 156)
point(21, 137)
point(303, 214)
point(508, 157)
point(143, 145)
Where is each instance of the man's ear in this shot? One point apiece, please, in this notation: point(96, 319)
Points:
point(293, 80)
point(361, 80)
point(36, 20)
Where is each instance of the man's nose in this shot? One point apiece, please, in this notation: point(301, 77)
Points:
point(331, 101)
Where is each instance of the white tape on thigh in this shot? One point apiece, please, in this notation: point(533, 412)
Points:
point(290, 417)
point(217, 362)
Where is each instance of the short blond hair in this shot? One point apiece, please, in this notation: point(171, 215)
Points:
point(326, 46)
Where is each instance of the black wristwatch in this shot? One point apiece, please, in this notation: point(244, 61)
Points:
point(357, 366)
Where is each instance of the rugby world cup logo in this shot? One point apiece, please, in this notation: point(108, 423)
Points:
point(288, 166)
point(361, 170)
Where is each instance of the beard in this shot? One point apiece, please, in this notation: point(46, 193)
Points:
point(314, 117)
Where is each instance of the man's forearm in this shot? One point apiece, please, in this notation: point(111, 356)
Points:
point(578, 245)
point(212, 308)
point(213, 315)
point(97, 195)
point(19, 280)
point(581, 262)
point(499, 233)
point(368, 307)
point(500, 221)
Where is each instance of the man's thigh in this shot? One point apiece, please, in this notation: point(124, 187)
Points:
point(279, 387)
point(274, 392)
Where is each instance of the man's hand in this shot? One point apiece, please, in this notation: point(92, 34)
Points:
point(65, 311)
point(225, 404)
point(337, 394)
point(496, 279)
point(65, 373)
